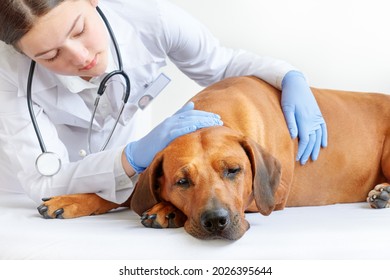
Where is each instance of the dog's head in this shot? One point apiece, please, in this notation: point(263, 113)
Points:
point(212, 175)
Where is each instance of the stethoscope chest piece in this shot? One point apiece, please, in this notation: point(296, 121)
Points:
point(48, 164)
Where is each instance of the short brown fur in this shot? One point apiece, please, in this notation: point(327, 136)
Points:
point(196, 176)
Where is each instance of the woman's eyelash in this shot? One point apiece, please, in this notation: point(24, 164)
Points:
point(54, 57)
point(81, 32)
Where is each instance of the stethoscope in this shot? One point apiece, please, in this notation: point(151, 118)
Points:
point(49, 163)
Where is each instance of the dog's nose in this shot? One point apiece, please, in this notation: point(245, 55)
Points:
point(215, 220)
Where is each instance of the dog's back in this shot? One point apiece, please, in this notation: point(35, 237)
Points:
point(358, 130)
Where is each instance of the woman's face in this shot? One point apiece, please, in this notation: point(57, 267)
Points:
point(70, 40)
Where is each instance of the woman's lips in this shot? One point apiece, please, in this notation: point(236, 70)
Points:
point(91, 65)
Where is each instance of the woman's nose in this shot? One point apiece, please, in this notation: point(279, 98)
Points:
point(78, 54)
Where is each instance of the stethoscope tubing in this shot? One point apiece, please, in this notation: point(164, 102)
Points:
point(30, 107)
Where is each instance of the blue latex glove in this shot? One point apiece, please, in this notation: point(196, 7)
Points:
point(141, 153)
point(303, 116)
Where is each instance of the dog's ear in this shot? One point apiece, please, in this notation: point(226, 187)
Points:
point(146, 192)
point(266, 172)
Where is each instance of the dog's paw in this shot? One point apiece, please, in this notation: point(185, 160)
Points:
point(43, 209)
point(163, 215)
point(74, 206)
point(379, 197)
point(58, 208)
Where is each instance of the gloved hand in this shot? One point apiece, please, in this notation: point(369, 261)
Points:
point(303, 116)
point(141, 153)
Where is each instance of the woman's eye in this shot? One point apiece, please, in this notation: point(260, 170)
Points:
point(80, 32)
point(54, 57)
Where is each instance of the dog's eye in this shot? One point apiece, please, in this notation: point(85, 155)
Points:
point(231, 173)
point(183, 182)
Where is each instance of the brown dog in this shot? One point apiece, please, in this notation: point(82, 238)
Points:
point(208, 179)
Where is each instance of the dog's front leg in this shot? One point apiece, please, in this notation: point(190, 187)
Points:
point(74, 205)
point(163, 215)
point(379, 197)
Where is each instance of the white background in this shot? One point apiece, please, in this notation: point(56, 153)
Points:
point(340, 44)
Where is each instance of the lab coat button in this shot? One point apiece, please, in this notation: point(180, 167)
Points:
point(82, 153)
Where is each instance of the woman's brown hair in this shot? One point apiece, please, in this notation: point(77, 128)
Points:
point(17, 17)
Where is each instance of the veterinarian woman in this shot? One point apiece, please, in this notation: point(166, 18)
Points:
point(59, 144)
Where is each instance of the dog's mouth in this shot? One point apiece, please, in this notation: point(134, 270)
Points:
point(216, 225)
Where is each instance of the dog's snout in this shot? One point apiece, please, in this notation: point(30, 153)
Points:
point(215, 220)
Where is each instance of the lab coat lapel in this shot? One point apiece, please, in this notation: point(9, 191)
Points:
point(61, 105)
point(71, 109)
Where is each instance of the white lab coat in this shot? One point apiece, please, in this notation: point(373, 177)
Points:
point(148, 33)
